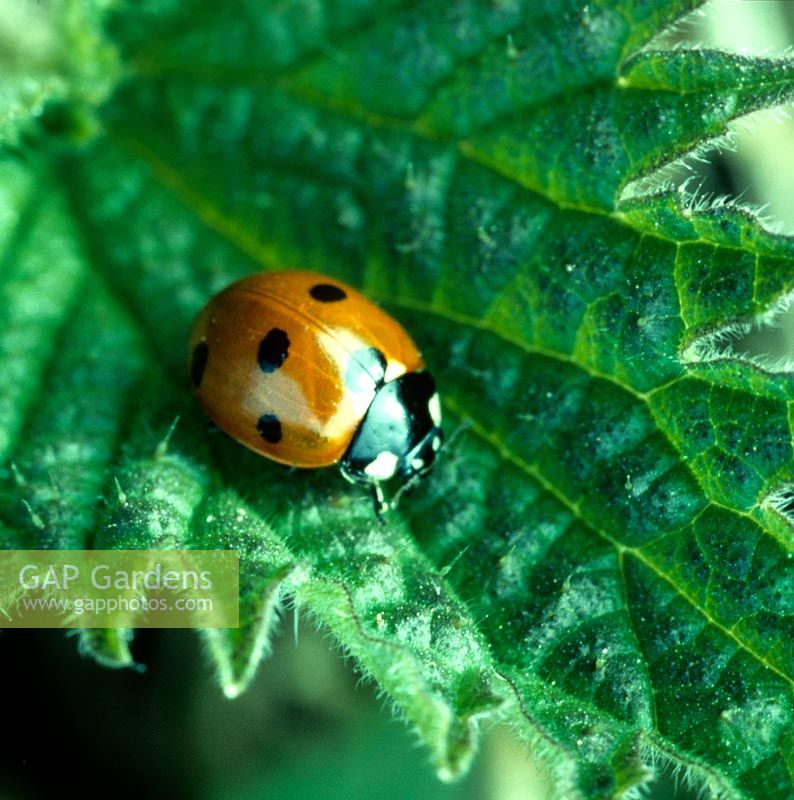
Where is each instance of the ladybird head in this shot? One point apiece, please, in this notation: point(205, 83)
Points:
point(400, 433)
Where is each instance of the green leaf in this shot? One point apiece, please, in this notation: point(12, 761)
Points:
point(55, 67)
point(603, 556)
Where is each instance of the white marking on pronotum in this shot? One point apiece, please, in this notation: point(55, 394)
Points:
point(393, 370)
point(383, 467)
point(417, 464)
point(434, 407)
point(436, 445)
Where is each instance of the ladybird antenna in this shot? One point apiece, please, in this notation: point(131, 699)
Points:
point(464, 426)
point(406, 487)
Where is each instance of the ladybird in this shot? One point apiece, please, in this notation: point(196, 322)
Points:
point(303, 369)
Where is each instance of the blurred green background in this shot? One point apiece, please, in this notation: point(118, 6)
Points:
point(307, 728)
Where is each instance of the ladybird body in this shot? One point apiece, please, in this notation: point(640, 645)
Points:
point(305, 370)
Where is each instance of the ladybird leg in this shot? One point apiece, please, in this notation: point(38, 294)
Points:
point(379, 503)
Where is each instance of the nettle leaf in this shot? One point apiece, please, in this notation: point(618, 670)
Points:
point(55, 64)
point(603, 556)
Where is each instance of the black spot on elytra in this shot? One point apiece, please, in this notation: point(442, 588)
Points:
point(273, 350)
point(327, 293)
point(366, 366)
point(269, 428)
point(198, 363)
